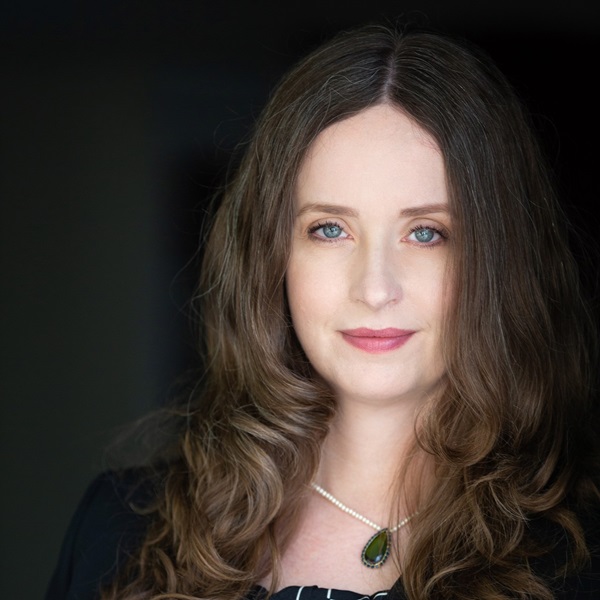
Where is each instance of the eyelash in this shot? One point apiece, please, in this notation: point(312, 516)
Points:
point(442, 232)
point(321, 225)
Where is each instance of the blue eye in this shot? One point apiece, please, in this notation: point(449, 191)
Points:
point(427, 236)
point(424, 235)
point(327, 231)
point(332, 231)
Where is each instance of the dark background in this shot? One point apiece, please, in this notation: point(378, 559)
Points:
point(118, 119)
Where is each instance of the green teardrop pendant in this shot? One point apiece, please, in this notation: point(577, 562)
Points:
point(376, 550)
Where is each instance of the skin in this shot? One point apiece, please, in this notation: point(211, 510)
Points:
point(359, 179)
point(371, 240)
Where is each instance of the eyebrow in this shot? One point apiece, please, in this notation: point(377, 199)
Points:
point(333, 209)
point(345, 211)
point(425, 209)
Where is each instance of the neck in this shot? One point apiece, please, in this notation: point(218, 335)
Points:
point(363, 455)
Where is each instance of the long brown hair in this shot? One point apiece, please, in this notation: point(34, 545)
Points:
point(508, 437)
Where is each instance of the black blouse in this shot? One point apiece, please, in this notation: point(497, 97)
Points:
point(105, 529)
point(313, 592)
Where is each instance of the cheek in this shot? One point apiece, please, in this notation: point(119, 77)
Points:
point(435, 304)
point(295, 285)
point(445, 292)
point(301, 283)
point(429, 284)
point(314, 293)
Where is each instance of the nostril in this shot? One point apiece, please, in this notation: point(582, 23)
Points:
point(377, 284)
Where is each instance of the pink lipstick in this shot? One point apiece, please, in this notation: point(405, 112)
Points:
point(377, 341)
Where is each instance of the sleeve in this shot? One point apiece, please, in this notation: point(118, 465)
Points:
point(102, 532)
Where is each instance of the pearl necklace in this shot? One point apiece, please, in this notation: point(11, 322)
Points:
point(377, 549)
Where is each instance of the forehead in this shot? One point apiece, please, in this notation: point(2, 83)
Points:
point(377, 153)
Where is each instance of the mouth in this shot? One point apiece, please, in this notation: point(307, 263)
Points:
point(376, 341)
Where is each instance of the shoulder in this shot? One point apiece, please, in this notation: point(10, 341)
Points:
point(108, 524)
point(583, 584)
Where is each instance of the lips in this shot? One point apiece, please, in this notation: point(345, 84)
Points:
point(377, 340)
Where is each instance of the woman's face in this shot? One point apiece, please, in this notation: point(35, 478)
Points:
point(371, 239)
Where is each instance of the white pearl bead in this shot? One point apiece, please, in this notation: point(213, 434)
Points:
point(356, 515)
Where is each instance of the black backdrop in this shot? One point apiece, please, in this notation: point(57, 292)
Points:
point(118, 118)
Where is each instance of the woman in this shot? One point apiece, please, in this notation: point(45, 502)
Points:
point(399, 363)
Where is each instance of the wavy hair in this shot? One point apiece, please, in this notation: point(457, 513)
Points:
point(509, 437)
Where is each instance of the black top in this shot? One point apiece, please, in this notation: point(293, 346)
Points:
point(105, 529)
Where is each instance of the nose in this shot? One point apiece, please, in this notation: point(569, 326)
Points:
point(376, 276)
